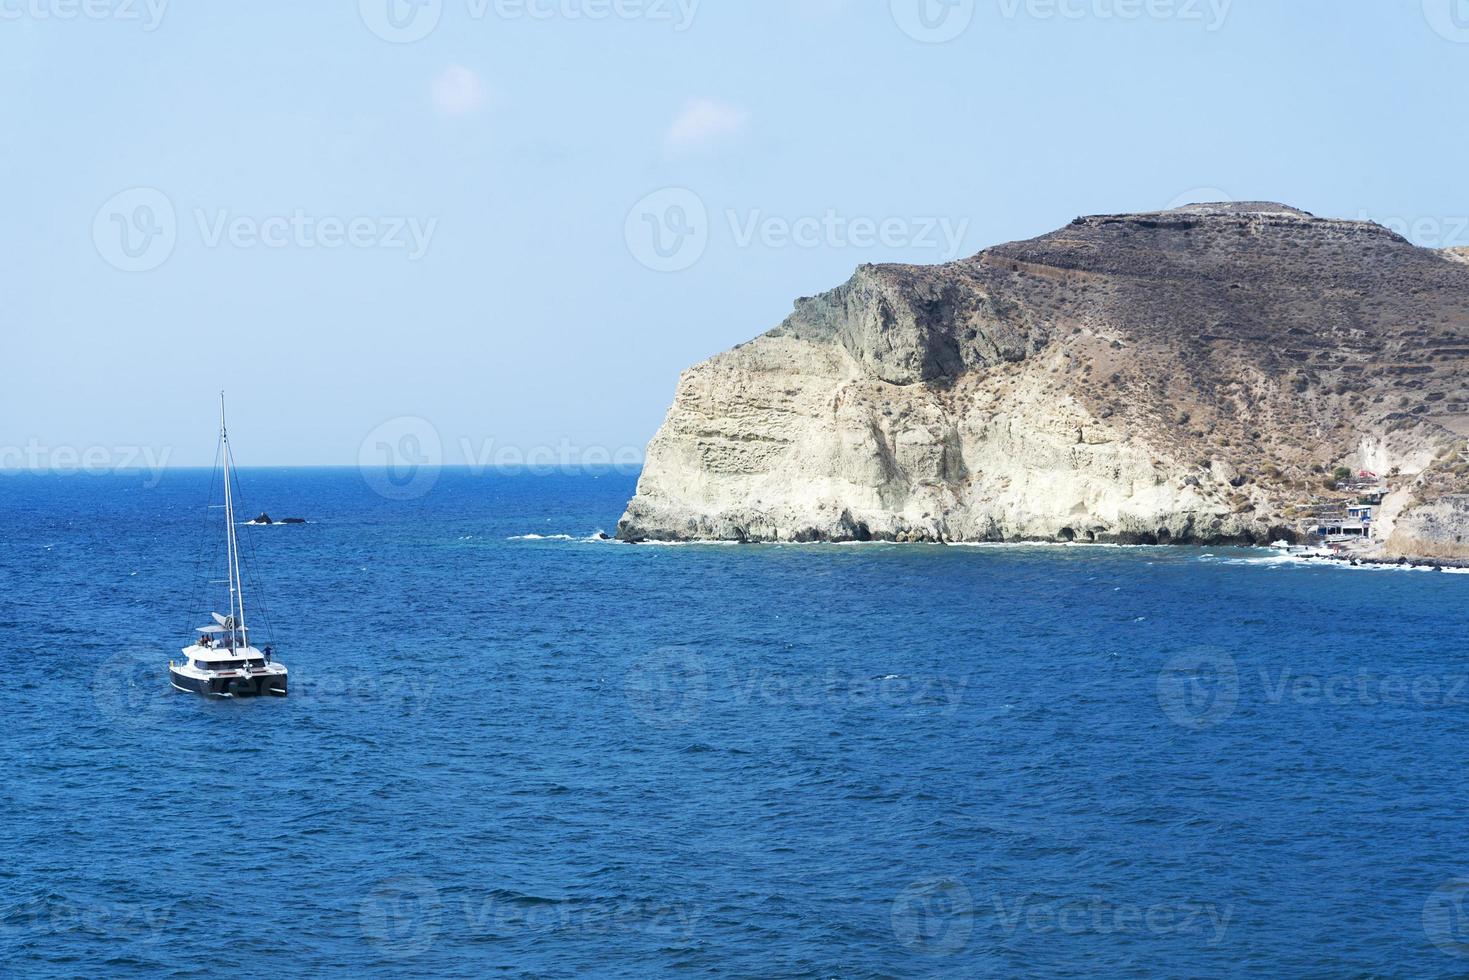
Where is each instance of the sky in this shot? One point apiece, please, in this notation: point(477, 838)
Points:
point(503, 227)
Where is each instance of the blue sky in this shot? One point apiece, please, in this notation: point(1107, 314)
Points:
point(520, 219)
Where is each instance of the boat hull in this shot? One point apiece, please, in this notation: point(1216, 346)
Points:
point(254, 686)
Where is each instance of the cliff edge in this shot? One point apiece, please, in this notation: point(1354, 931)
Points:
point(1188, 376)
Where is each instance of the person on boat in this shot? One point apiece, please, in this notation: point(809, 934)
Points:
point(268, 654)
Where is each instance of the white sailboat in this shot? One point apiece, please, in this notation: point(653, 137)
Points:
point(222, 663)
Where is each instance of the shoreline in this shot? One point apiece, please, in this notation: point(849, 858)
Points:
point(1320, 555)
point(1360, 560)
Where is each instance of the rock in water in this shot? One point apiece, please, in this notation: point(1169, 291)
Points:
point(1191, 375)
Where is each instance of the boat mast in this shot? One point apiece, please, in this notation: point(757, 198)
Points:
point(237, 590)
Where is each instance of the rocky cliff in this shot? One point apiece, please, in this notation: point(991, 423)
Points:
point(1189, 376)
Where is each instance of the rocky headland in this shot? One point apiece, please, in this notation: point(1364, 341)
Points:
point(1185, 376)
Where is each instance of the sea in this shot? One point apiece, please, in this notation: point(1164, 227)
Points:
point(512, 748)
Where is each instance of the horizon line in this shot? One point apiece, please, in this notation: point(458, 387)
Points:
point(473, 467)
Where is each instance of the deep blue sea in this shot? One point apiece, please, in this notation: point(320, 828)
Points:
point(554, 756)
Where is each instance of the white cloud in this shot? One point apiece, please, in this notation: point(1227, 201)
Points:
point(704, 124)
point(458, 91)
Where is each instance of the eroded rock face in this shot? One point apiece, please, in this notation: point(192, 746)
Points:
point(1438, 529)
point(1180, 376)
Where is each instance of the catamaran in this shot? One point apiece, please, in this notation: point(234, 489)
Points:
point(221, 662)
